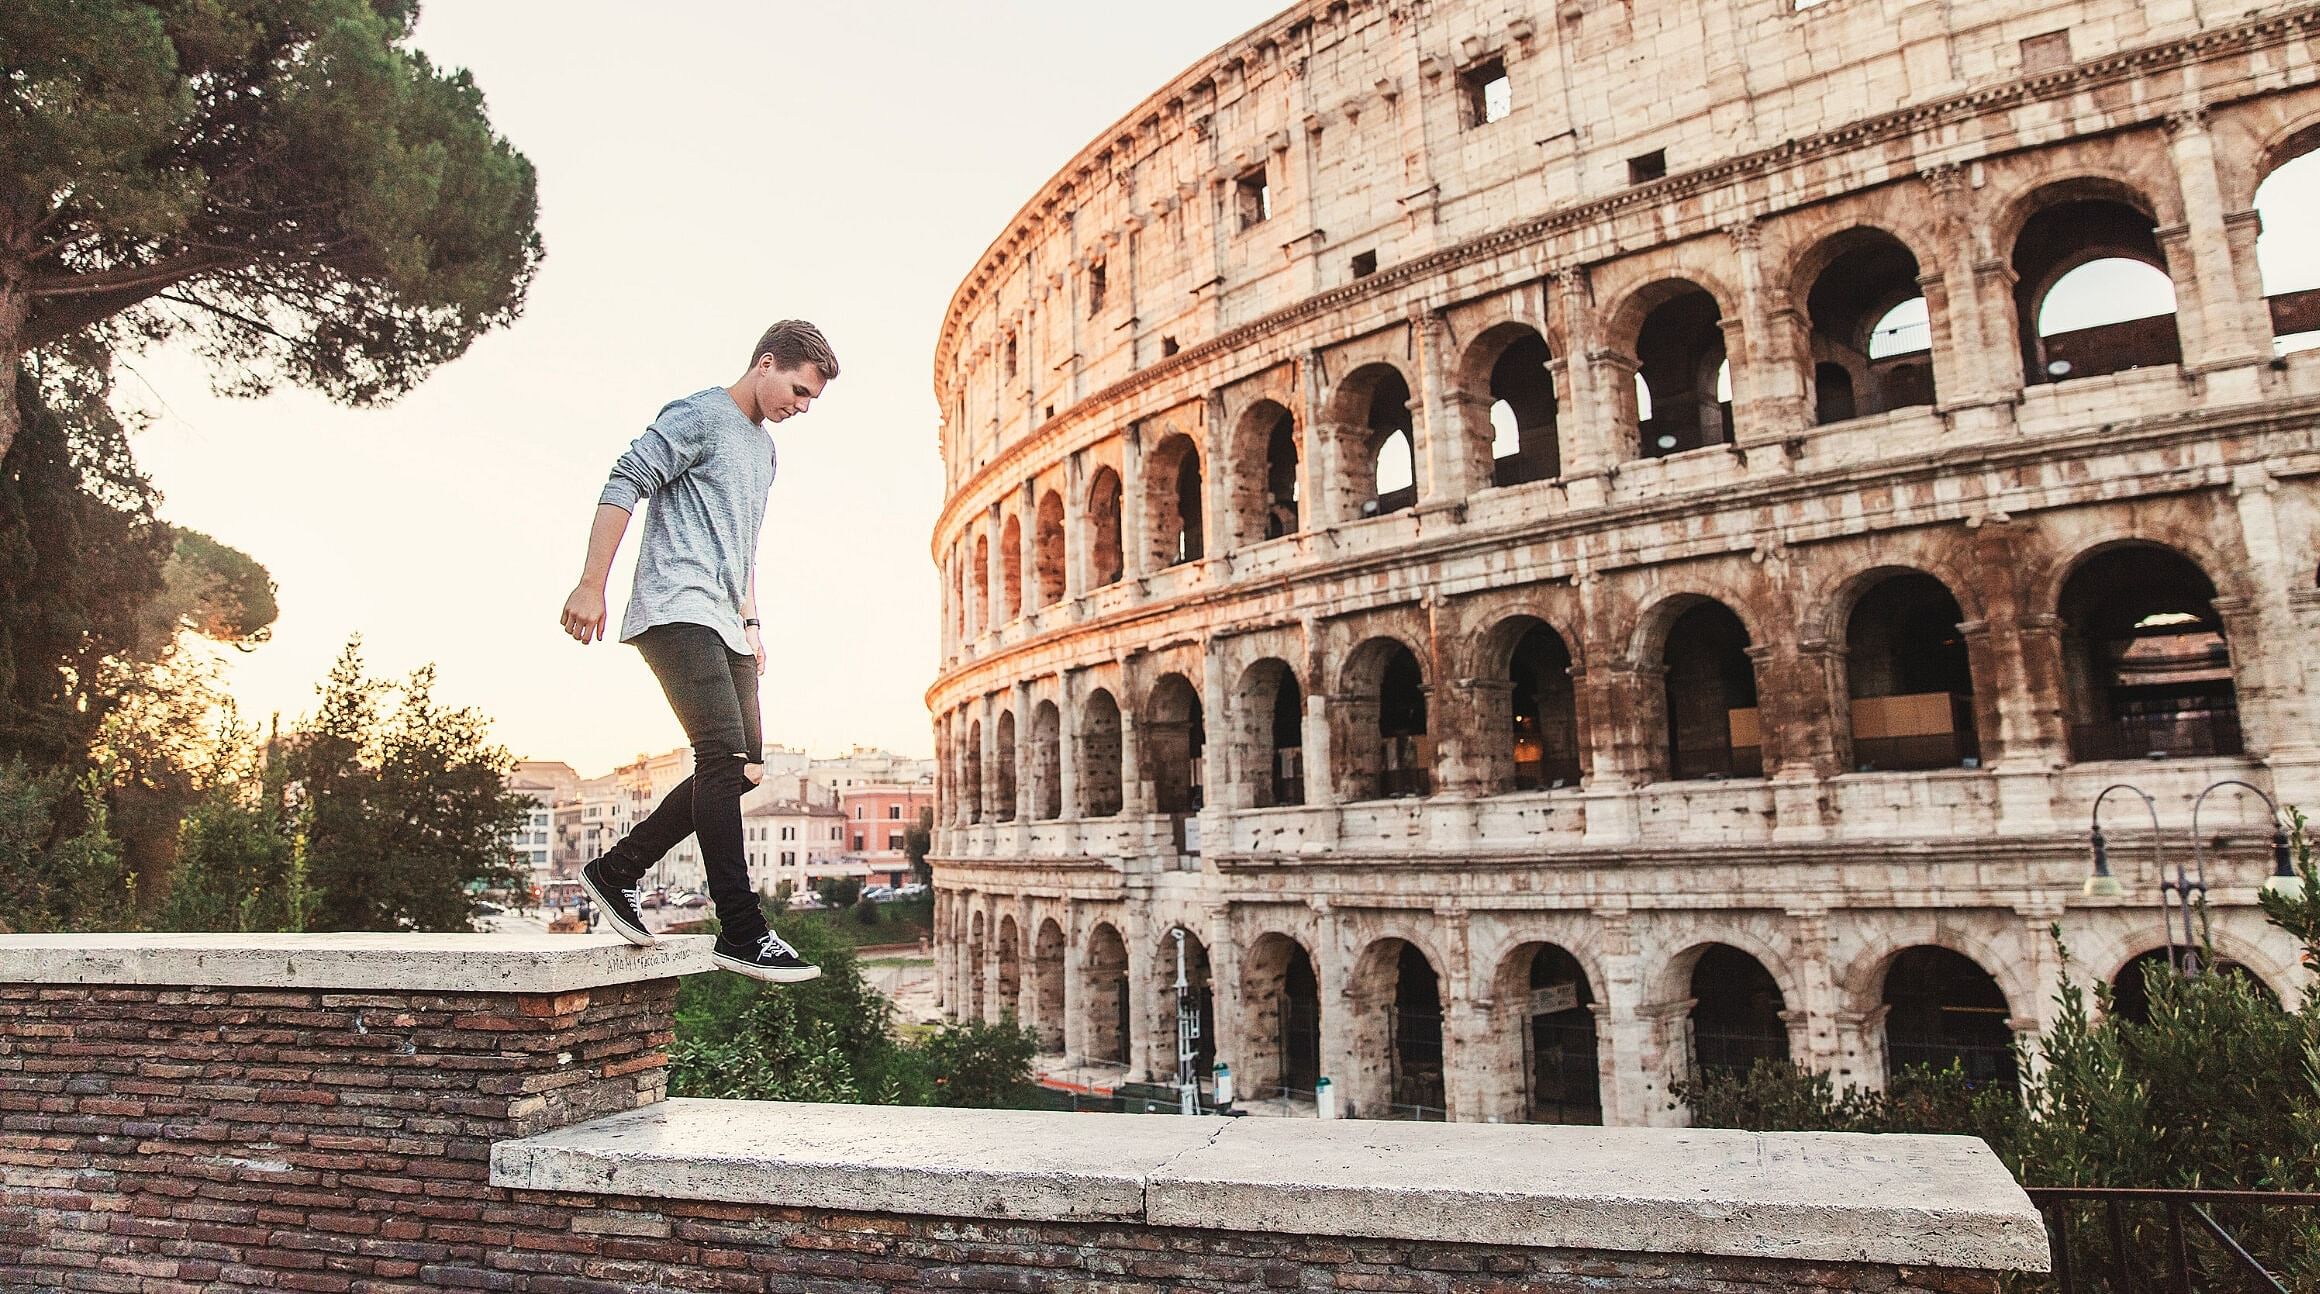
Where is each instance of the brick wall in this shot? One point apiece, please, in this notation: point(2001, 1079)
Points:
point(164, 1139)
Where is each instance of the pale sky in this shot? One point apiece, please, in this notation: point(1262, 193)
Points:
point(704, 170)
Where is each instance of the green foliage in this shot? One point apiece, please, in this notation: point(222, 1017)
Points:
point(983, 1066)
point(60, 865)
point(403, 811)
point(284, 182)
point(832, 1039)
point(80, 553)
point(240, 864)
point(838, 892)
point(916, 844)
point(865, 912)
point(1778, 1096)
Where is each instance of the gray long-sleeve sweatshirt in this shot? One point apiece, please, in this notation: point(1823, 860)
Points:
point(707, 469)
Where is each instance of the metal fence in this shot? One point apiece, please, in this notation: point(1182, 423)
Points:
point(2118, 1240)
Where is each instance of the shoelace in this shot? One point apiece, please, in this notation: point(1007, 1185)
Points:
point(635, 899)
point(770, 944)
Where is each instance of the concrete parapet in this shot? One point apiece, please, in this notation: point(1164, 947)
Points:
point(250, 1117)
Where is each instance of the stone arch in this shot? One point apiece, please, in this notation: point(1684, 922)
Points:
point(1173, 526)
point(1385, 746)
point(1202, 997)
point(1046, 762)
point(1505, 395)
point(1870, 331)
point(1368, 408)
point(973, 776)
point(1738, 1013)
point(1398, 998)
point(1105, 1007)
point(1672, 332)
point(1550, 1002)
point(1909, 677)
point(2285, 194)
point(2130, 993)
point(1047, 956)
point(1010, 954)
point(1943, 1007)
point(1174, 735)
point(985, 612)
point(1003, 776)
point(1280, 1043)
point(2147, 663)
point(1265, 485)
point(1048, 557)
point(1269, 714)
point(1708, 698)
point(1099, 756)
point(1528, 707)
point(2063, 226)
point(1010, 568)
point(1103, 522)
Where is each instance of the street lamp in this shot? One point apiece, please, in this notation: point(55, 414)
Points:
point(2103, 885)
point(2283, 879)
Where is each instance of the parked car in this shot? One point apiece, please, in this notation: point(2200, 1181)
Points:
point(878, 893)
point(910, 891)
point(487, 908)
point(688, 899)
point(654, 898)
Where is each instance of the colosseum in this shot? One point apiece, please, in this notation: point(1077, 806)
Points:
point(1563, 545)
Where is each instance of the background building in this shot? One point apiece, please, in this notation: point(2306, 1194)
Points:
point(545, 784)
point(877, 818)
point(1561, 545)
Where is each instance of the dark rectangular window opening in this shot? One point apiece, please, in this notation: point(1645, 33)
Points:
point(1167, 347)
point(1095, 289)
point(1364, 264)
point(1255, 198)
point(1489, 95)
point(1010, 357)
point(1651, 166)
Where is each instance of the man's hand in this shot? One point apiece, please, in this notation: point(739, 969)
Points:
point(756, 645)
point(584, 614)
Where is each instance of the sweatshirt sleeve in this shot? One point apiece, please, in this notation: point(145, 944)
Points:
point(667, 447)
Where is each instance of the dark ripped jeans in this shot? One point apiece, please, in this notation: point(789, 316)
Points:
point(714, 693)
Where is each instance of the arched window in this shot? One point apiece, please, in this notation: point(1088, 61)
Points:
point(1264, 475)
point(1389, 450)
point(1011, 572)
point(1172, 484)
point(1281, 1038)
point(2288, 203)
point(1684, 384)
point(1871, 346)
point(973, 778)
point(1564, 1082)
point(1194, 1004)
point(1272, 713)
point(1047, 986)
point(1907, 673)
point(1004, 790)
point(1107, 1006)
point(1523, 446)
point(1047, 551)
point(1543, 712)
point(2147, 670)
point(2091, 291)
point(1173, 738)
point(1099, 756)
point(1386, 748)
point(1711, 697)
point(1046, 762)
point(985, 613)
point(1943, 1010)
point(1736, 1012)
point(1104, 566)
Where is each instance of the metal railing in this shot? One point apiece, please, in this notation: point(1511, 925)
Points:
point(2188, 734)
point(2167, 1241)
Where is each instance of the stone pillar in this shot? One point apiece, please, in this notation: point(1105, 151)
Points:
point(1221, 787)
point(2232, 343)
point(1443, 460)
point(990, 751)
point(1861, 1046)
point(1769, 349)
point(1217, 467)
point(1332, 978)
point(1224, 985)
point(1134, 803)
point(1135, 559)
point(2277, 653)
point(1067, 742)
point(1625, 1046)
point(1143, 989)
point(1026, 757)
point(1317, 469)
point(1587, 419)
point(1075, 529)
point(1977, 354)
point(1813, 1040)
point(1075, 988)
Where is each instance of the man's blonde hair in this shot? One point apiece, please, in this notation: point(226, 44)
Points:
point(793, 342)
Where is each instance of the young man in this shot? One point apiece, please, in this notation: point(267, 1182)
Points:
point(706, 463)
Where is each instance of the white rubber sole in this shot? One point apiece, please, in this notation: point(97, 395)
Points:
point(610, 910)
point(769, 974)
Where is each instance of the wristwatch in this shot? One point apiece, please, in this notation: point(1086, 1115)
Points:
point(751, 624)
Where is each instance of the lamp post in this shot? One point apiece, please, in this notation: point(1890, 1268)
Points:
point(2180, 890)
point(2101, 884)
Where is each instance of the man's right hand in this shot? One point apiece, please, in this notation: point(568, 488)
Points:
point(584, 612)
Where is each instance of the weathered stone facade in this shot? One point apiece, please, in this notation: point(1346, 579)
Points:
point(1736, 669)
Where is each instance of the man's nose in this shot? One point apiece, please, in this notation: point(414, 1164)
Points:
point(803, 405)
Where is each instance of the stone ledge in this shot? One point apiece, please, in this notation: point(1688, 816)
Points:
point(1806, 1197)
point(385, 963)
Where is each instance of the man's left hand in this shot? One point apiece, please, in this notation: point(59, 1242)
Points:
point(756, 646)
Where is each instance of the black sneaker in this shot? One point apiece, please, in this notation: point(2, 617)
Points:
point(771, 959)
point(619, 906)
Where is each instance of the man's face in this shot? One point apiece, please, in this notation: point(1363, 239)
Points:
point(784, 393)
